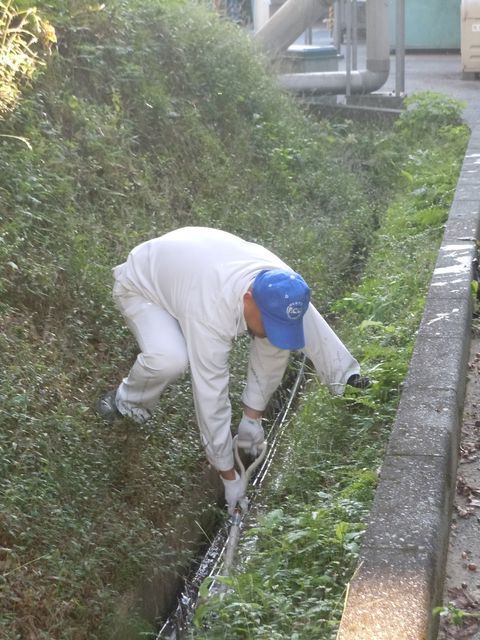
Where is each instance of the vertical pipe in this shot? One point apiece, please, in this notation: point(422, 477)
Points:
point(260, 12)
point(378, 59)
point(337, 25)
point(354, 35)
point(400, 48)
point(348, 42)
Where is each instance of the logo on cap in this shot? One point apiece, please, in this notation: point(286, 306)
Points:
point(295, 310)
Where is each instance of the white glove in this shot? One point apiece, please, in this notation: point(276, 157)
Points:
point(250, 434)
point(235, 493)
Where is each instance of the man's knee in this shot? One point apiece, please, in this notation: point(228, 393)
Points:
point(168, 365)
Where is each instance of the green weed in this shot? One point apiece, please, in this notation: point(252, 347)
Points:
point(300, 554)
point(152, 115)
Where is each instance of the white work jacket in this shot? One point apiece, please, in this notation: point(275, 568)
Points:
point(199, 276)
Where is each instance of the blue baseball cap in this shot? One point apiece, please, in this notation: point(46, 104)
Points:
point(283, 298)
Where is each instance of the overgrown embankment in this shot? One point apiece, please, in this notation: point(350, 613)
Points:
point(148, 116)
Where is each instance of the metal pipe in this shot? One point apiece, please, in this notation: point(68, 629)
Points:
point(287, 24)
point(354, 35)
point(348, 48)
point(400, 48)
point(378, 48)
point(337, 25)
point(278, 36)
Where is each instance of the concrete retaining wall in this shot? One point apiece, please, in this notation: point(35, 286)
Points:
point(400, 574)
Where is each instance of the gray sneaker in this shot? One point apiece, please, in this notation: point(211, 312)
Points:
point(107, 408)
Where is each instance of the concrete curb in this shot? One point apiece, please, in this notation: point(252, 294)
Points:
point(399, 579)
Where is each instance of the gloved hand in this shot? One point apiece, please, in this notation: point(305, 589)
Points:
point(250, 433)
point(235, 493)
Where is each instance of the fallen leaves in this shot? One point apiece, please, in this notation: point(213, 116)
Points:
point(460, 619)
point(460, 615)
point(471, 495)
point(464, 512)
point(469, 452)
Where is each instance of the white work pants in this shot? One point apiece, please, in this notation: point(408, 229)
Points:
point(163, 357)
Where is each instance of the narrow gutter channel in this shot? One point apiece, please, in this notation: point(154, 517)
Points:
point(179, 621)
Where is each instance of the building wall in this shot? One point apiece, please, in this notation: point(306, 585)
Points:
point(429, 24)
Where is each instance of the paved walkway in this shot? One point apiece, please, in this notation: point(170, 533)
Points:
point(442, 73)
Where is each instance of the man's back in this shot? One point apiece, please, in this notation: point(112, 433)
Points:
point(197, 271)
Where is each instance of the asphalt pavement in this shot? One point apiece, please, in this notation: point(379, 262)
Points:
point(442, 73)
point(424, 71)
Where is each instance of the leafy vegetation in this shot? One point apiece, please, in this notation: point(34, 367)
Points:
point(151, 115)
point(25, 38)
point(302, 551)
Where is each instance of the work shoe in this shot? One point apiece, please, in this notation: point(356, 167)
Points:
point(107, 408)
point(358, 382)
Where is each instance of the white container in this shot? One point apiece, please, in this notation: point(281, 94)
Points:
point(470, 37)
